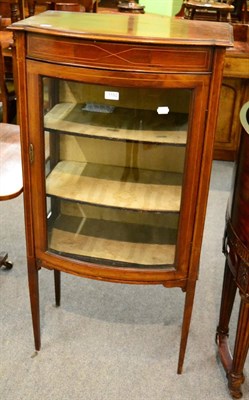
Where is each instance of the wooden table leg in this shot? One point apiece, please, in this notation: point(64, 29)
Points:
point(233, 365)
point(236, 376)
point(227, 301)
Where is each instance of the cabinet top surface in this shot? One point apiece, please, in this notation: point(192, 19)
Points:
point(128, 28)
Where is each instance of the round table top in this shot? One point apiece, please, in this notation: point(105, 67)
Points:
point(11, 184)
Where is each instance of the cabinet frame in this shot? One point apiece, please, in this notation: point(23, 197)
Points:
point(189, 197)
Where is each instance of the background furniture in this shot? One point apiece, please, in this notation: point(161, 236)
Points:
point(127, 135)
point(236, 276)
point(12, 9)
point(69, 7)
point(84, 5)
point(109, 3)
point(7, 91)
point(91, 5)
point(222, 8)
point(130, 6)
point(238, 14)
point(234, 93)
point(10, 170)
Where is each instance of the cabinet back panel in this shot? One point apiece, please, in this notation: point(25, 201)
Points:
point(124, 154)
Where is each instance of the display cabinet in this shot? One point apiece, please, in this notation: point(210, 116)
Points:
point(117, 115)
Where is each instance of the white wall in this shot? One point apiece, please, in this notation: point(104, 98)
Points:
point(163, 7)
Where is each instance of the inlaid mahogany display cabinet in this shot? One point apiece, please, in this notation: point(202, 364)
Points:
point(117, 115)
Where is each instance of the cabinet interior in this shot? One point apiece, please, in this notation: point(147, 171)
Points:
point(114, 171)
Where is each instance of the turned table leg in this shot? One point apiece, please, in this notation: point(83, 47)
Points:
point(233, 365)
point(227, 300)
point(236, 376)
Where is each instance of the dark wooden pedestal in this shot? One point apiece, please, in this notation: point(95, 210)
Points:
point(131, 7)
point(236, 276)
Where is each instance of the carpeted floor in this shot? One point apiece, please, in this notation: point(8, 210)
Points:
point(109, 341)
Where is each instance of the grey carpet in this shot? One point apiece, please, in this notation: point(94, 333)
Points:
point(110, 341)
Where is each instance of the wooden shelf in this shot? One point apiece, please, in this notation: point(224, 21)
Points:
point(112, 186)
point(120, 124)
point(113, 241)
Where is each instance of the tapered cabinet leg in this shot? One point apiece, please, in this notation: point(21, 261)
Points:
point(189, 301)
point(33, 279)
point(57, 287)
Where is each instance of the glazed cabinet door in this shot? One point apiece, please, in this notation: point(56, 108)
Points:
point(115, 182)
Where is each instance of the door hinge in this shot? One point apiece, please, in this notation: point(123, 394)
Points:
point(31, 153)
